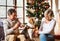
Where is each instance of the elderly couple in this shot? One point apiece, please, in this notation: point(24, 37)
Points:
point(12, 23)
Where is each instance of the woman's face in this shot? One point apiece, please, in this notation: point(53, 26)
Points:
point(48, 16)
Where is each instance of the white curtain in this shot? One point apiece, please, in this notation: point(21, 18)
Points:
point(54, 7)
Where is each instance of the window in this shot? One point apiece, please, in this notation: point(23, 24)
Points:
point(7, 4)
point(20, 9)
point(2, 8)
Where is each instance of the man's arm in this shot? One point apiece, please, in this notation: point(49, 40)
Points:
point(6, 30)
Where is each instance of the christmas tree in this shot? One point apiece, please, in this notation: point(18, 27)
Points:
point(36, 9)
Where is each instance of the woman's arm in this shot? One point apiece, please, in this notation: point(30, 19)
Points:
point(51, 26)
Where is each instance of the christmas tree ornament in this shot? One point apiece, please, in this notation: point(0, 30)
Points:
point(36, 8)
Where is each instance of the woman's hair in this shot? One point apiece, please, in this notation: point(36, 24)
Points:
point(49, 11)
point(11, 11)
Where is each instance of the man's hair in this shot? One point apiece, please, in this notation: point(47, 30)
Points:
point(49, 11)
point(11, 11)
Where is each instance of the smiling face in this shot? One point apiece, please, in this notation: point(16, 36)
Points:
point(48, 15)
point(13, 16)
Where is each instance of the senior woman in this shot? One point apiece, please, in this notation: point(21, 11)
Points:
point(47, 26)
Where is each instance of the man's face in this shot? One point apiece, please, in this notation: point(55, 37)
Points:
point(13, 16)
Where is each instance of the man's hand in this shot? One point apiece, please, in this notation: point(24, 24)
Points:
point(16, 25)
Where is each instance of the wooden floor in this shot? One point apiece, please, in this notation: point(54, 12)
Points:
point(37, 39)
